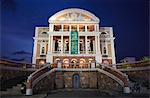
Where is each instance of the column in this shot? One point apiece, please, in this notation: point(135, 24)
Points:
point(95, 28)
point(59, 65)
point(106, 46)
point(69, 45)
point(49, 56)
point(86, 47)
point(98, 42)
point(95, 44)
point(78, 28)
point(98, 54)
point(78, 44)
point(62, 28)
point(62, 44)
point(51, 27)
point(70, 27)
point(113, 52)
point(85, 28)
point(34, 51)
point(51, 44)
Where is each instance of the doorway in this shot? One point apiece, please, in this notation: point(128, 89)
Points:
point(76, 81)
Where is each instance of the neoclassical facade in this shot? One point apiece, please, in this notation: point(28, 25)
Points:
point(74, 36)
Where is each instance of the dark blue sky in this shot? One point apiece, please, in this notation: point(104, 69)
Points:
point(129, 18)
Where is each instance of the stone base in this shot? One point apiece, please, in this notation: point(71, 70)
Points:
point(126, 90)
point(29, 92)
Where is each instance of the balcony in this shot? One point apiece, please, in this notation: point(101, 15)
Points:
point(105, 36)
point(80, 52)
point(43, 35)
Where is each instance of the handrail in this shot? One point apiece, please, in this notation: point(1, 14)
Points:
point(117, 73)
point(35, 77)
point(113, 69)
point(42, 76)
point(112, 76)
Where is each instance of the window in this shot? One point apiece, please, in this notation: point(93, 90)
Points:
point(56, 45)
point(44, 32)
point(43, 50)
point(90, 28)
point(57, 27)
point(103, 33)
point(81, 28)
point(66, 27)
point(104, 50)
point(74, 28)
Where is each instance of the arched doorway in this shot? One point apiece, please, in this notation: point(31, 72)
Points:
point(76, 81)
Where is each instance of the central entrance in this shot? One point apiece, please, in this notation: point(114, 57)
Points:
point(76, 81)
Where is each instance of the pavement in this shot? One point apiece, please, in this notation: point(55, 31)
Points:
point(79, 94)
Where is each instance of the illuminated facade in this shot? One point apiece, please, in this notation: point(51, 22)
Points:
point(74, 36)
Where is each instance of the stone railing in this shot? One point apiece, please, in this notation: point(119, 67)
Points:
point(41, 73)
point(37, 76)
point(123, 77)
point(76, 65)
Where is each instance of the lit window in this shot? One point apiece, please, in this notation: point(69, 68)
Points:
point(66, 28)
point(74, 28)
point(57, 27)
point(81, 28)
point(42, 62)
point(90, 28)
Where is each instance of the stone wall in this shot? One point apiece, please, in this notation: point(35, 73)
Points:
point(45, 85)
point(88, 79)
point(107, 83)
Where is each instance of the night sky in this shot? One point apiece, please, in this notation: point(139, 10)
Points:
point(129, 19)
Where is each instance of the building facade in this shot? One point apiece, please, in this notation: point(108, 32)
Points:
point(74, 36)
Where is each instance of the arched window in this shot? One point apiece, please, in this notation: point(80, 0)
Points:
point(66, 62)
point(57, 60)
point(44, 32)
point(43, 50)
point(103, 33)
point(104, 50)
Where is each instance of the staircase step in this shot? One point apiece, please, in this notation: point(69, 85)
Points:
point(15, 90)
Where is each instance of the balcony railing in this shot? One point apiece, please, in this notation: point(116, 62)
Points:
point(56, 52)
point(66, 52)
point(80, 52)
point(76, 65)
point(105, 36)
point(43, 35)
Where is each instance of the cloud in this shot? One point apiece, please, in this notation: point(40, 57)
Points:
point(15, 59)
point(22, 52)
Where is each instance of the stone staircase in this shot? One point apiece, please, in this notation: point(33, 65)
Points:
point(15, 90)
point(8, 84)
